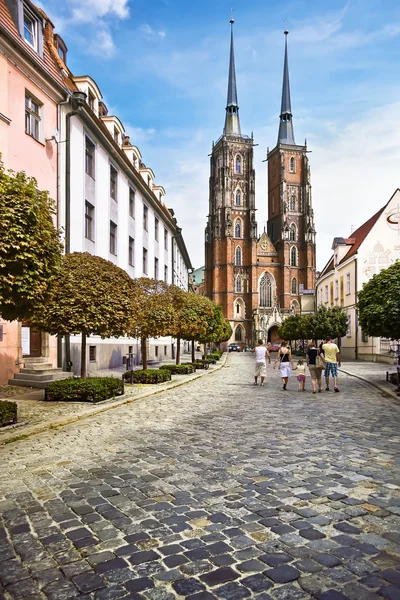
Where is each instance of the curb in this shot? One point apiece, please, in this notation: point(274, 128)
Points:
point(123, 400)
point(375, 385)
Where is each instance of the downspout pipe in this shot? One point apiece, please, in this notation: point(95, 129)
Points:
point(356, 309)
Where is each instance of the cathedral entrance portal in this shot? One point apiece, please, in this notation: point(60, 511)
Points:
point(273, 336)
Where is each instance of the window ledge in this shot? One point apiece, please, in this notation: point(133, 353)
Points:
point(33, 138)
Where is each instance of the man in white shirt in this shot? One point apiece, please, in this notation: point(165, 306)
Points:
point(261, 367)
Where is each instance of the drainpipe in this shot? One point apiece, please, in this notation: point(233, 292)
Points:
point(78, 99)
point(356, 309)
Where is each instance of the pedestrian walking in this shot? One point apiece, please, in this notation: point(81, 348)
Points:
point(301, 375)
point(285, 362)
point(332, 361)
point(315, 356)
point(261, 368)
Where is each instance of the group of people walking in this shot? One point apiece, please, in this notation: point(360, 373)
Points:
point(324, 358)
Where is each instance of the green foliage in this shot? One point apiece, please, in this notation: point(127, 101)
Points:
point(90, 295)
point(154, 313)
point(93, 389)
point(8, 413)
point(217, 328)
point(183, 369)
point(193, 314)
point(149, 376)
point(293, 328)
point(201, 364)
point(30, 248)
point(379, 304)
point(326, 321)
point(216, 355)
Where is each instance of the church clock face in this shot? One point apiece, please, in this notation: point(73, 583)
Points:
point(264, 245)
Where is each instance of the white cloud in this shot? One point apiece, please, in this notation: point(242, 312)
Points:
point(102, 42)
point(139, 135)
point(84, 11)
point(151, 33)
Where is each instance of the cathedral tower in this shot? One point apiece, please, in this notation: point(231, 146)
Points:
point(290, 215)
point(231, 232)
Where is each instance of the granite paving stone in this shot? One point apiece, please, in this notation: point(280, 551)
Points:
point(215, 489)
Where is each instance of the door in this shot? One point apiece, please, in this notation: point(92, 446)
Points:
point(35, 342)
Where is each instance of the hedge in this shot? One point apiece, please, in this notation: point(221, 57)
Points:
point(183, 369)
point(202, 364)
point(8, 413)
point(92, 389)
point(148, 376)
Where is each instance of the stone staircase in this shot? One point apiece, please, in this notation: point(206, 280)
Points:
point(37, 373)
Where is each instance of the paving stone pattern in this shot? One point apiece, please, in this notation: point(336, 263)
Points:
point(216, 489)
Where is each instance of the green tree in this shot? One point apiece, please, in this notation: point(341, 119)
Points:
point(216, 328)
point(30, 247)
point(154, 314)
point(90, 296)
point(293, 328)
point(330, 321)
point(379, 304)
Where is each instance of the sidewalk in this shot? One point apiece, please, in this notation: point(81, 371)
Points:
point(373, 373)
point(35, 415)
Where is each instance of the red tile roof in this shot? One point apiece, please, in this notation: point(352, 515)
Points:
point(359, 235)
point(47, 63)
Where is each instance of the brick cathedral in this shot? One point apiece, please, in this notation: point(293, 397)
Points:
point(258, 279)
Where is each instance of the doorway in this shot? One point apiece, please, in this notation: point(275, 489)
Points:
point(31, 339)
point(273, 336)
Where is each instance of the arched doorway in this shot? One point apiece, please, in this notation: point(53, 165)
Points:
point(273, 336)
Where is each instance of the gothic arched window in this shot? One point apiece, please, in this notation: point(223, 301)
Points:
point(293, 257)
point(238, 229)
point(292, 233)
point(238, 284)
point(265, 296)
point(292, 204)
point(238, 164)
point(292, 165)
point(239, 334)
point(238, 198)
point(238, 257)
point(294, 285)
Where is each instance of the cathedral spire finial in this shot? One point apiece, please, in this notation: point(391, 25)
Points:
point(286, 134)
point(232, 123)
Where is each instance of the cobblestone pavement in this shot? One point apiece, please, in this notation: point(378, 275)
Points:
point(217, 489)
point(374, 372)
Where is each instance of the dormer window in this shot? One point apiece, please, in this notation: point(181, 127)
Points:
point(116, 135)
point(30, 29)
point(91, 100)
point(61, 48)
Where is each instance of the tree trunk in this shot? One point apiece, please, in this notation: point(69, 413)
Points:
point(144, 352)
point(193, 354)
point(83, 355)
point(178, 351)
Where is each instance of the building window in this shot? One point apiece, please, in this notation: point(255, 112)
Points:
point(347, 283)
point(165, 273)
point(156, 351)
point(348, 333)
point(165, 351)
point(293, 257)
point(156, 223)
point(238, 198)
point(364, 337)
point(145, 217)
point(33, 110)
point(294, 285)
point(113, 238)
point(145, 261)
point(156, 268)
point(113, 182)
point(131, 252)
point(30, 29)
point(292, 203)
point(238, 165)
point(238, 229)
point(131, 202)
point(237, 308)
point(336, 289)
point(326, 294)
point(166, 239)
point(89, 157)
point(238, 284)
point(239, 334)
point(91, 100)
point(238, 256)
point(292, 165)
point(292, 233)
point(92, 353)
point(265, 291)
point(89, 221)
point(116, 135)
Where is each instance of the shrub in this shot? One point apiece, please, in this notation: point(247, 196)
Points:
point(149, 376)
point(201, 364)
point(8, 413)
point(92, 389)
point(183, 369)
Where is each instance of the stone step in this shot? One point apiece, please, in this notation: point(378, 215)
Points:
point(38, 366)
point(28, 383)
point(34, 359)
point(43, 371)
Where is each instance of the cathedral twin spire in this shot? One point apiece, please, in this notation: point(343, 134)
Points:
point(232, 122)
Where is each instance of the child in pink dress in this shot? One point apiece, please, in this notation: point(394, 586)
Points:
point(301, 377)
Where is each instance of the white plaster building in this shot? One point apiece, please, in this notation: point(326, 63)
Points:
point(372, 247)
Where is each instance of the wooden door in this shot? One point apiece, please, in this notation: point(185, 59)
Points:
point(35, 342)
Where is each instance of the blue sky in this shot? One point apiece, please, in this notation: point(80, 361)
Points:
point(162, 67)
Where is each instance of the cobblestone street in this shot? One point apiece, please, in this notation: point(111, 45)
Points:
point(215, 489)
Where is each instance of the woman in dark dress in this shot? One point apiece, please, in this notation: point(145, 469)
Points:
point(315, 372)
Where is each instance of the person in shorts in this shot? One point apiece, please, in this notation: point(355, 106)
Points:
point(261, 353)
point(315, 372)
point(332, 361)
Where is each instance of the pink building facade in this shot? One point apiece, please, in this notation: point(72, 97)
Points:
point(31, 87)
